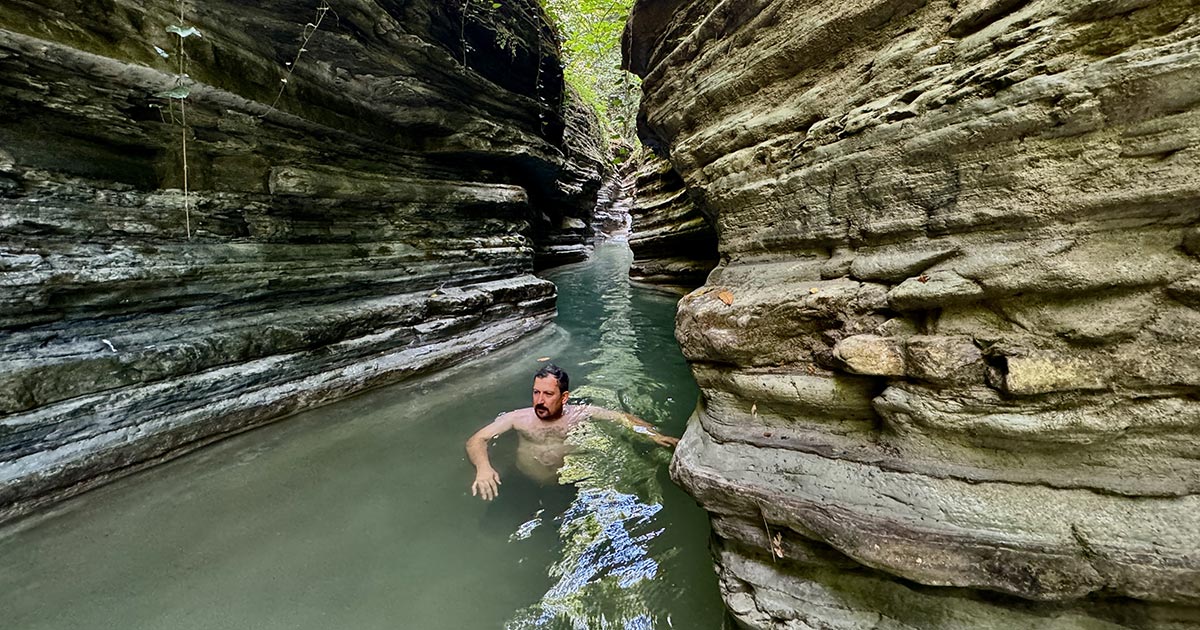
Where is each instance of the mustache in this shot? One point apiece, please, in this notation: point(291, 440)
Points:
point(542, 407)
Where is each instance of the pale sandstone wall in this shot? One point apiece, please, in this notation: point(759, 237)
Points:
point(950, 367)
point(380, 222)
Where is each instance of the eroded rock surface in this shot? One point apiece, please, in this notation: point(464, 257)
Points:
point(373, 217)
point(673, 242)
point(950, 367)
point(612, 220)
point(564, 229)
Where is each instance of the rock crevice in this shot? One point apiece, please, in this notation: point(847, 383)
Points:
point(673, 242)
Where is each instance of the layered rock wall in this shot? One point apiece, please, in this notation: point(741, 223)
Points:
point(673, 242)
point(950, 366)
point(366, 216)
point(612, 219)
point(564, 230)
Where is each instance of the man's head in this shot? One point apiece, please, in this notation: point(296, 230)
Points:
point(550, 392)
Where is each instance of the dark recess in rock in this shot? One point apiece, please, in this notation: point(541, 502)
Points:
point(674, 243)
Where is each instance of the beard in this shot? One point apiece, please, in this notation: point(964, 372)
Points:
point(542, 412)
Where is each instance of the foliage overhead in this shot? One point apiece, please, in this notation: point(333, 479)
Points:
point(591, 42)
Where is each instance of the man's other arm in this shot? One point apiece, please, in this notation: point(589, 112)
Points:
point(633, 422)
point(487, 481)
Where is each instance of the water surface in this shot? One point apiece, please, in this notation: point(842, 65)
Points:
point(358, 515)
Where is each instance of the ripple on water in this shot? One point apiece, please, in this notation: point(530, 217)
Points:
point(358, 514)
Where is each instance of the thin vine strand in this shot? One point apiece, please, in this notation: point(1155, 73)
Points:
point(187, 211)
point(324, 8)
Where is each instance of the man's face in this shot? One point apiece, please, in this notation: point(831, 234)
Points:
point(548, 401)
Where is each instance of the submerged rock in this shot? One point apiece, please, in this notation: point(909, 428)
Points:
point(364, 199)
point(955, 384)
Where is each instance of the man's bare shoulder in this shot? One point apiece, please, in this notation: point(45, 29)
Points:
point(518, 417)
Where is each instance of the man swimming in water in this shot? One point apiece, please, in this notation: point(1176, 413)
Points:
point(543, 429)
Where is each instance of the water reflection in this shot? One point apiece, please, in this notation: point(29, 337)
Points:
point(359, 514)
point(605, 577)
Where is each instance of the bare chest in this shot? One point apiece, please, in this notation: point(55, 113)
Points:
point(538, 431)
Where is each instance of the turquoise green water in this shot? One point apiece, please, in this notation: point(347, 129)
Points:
point(358, 515)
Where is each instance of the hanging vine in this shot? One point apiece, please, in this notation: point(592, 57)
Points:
point(179, 94)
point(306, 35)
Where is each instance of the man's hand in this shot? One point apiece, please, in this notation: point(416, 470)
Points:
point(665, 440)
point(635, 423)
point(487, 480)
point(487, 484)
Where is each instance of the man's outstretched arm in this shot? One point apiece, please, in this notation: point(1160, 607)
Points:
point(633, 422)
point(487, 480)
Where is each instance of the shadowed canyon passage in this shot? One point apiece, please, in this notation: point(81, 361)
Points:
point(378, 218)
point(382, 219)
point(357, 514)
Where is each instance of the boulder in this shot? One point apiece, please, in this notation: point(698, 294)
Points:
point(871, 355)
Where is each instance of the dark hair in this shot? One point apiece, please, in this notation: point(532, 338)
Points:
point(564, 381)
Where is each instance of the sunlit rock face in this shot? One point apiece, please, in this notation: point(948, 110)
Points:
point(950, 365)
point(673, 242)
point(373, 217)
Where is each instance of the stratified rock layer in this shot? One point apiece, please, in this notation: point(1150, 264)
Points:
point(674, 244)
point(611, 220)
point(950, 367)
point(564, 229)
point(367, 217)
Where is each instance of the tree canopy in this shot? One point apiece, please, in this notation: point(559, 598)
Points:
point(591, 44)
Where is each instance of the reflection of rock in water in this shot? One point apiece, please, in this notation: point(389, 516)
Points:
point(606, 572)
point(617, 378)
point(525, 530)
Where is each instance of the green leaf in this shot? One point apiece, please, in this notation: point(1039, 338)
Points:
point(495, 5)
point(178, 92)
point(591, 35)
point(182, 32)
